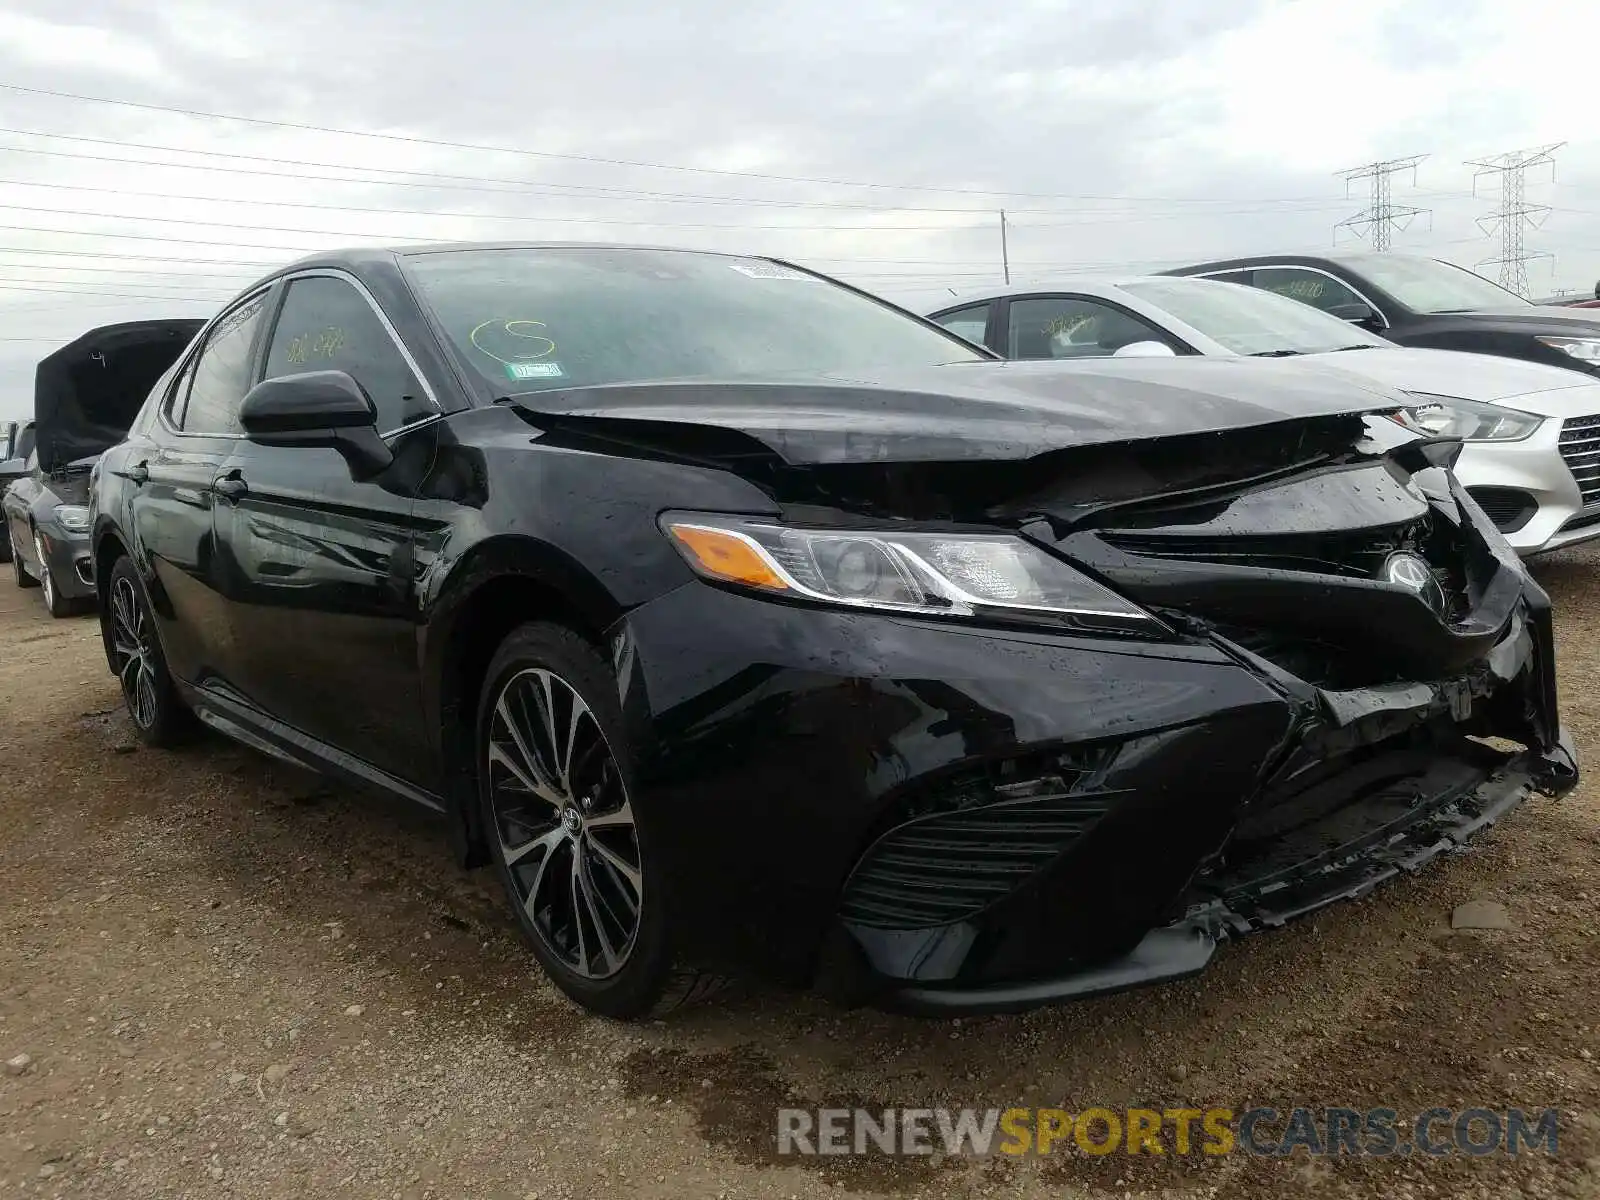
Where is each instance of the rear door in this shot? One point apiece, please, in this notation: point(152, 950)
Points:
point(171, 490)
point(319, 567)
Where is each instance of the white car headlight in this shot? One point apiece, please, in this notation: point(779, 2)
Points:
point(72, 517)
point(1583, 349)
point(1471, 420)
point(961, 575)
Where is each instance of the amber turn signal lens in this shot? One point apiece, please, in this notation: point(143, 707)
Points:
point(722, 555)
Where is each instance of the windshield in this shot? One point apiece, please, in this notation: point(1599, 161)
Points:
point(1247, 320)
point(536, 319)
point(1426, 285)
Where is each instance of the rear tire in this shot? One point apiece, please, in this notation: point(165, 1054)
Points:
point(158, 714)
point(555, 784)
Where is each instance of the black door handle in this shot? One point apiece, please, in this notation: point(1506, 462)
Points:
point(139, 473)
point(231, 486)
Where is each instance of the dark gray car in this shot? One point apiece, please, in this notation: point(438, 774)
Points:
point(16, 441)
point(47, 533)
point(85, 397)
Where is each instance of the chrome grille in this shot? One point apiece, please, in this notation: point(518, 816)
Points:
point(1580, 447)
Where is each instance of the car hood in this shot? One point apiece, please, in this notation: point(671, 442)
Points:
point(983, 410)
point(86, 394)
point(1484, 377)
point(1555, 319)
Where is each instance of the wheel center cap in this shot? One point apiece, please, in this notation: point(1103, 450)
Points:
point(571, 821)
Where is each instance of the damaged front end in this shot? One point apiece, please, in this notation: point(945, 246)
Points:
point(1348, 673)
point(1412, 649)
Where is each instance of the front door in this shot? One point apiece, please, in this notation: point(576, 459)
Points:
point(170, 475)
point(318, 566)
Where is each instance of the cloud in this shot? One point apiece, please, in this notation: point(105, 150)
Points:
point(1124, 136)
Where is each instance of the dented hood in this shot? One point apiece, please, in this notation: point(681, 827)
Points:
point(966, 411)
point(87, 393)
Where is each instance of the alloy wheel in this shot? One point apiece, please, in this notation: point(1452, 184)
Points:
point(130, 643)
point(46, 580)
point(565, 823)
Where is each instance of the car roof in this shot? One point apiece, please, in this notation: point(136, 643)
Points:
point(1349, 257)
point(1059, 283)
point(365, 255)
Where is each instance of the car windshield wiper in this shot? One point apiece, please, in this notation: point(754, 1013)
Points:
point(1356, 346)
point(1274, 353)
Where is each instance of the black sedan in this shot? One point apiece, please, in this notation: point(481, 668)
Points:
point(85, 396)
point(745, 622)
point(1422, 302)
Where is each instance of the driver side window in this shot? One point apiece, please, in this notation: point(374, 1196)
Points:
point(1074, 327)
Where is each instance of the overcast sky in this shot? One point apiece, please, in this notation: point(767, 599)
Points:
point(871, 141)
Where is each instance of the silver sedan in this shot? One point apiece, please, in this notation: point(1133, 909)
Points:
point(1531, 456)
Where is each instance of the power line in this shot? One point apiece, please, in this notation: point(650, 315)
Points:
point(9, 287)
point(122, 257)
point(1382, 215)
point(147, 237)
point(1514, 214)
point(473, 183)
point(584, 158)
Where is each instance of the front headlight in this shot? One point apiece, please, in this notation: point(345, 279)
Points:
point(994, 576)
point(1471, 420)
point(1586, 350)
point(74, 518)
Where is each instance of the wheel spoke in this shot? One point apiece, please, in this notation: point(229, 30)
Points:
point(544, 702)
point(147, 696)
point(593, 904)
point(531, 773)
point(530, 905)
point(546, 842)
point(622, 815)
point(498, 755)
point(577, 919)
point(616, 863)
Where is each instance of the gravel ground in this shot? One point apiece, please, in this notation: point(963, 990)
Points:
point(236, 981)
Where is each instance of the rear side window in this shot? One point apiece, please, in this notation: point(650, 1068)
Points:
point(1308, 287)
point(969, 322)
point(220, 375)
point(326, 325)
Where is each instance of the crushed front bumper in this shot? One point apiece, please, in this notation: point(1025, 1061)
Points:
point(1222, 907)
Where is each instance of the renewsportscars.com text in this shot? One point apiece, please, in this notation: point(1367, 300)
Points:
point(1265, 1132)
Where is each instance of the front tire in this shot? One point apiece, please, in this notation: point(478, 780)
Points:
point(159, 715)
point(58, 605)
point(19, 572)
point(555, 784)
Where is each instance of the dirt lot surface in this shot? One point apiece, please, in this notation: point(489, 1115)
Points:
point(236, 981)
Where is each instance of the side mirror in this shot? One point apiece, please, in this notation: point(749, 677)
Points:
point(318, 408)
point(1144, 350)
point(1356, 313)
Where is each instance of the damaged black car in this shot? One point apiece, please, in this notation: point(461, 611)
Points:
point(85, 396)
point(745, 623)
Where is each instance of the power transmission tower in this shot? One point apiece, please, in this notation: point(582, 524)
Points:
point(1382, 215)
point(1515, 214)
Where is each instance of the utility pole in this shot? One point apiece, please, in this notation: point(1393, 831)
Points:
point(1005, 254)
point(1382, 214)
point(1514, 214)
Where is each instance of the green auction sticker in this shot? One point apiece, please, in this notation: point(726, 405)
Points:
point(533, 370)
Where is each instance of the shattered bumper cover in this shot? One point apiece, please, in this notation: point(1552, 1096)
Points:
point(1410, 839)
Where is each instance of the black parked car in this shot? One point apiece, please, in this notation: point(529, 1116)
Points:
point(1422, 302)
point(745, 621)
point(85, 396)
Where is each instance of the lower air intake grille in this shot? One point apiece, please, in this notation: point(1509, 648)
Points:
point(941, 868)
point(1580, 446)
